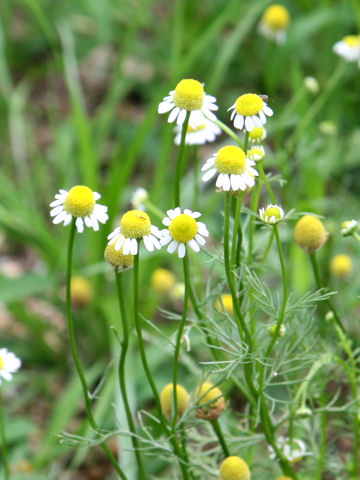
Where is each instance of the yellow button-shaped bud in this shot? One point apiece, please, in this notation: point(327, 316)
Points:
point(310, 233)
point(210, 401)
point(166, 399)
point(234, 468)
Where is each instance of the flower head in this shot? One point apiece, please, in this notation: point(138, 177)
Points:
point(250, 111)
point(116, 258)
point(163, 281)
point(9, 364)
point(166, 399)
point(198, 135)
point(234, 169)
point(341, 266)
point(234, 468)
point(348, 228)
point(80, 203)
point(272, 214)
point(134, 226)
point(81, 291)
point(303, 412)
point(312, 85)
point(310, 233)
point(275, 23)
point(293, 451)
point(188, 96)
point(183, 230)
point(349, 48)
point(138, 198)
point(257, 135)
point(225, 303)
point(256, 153)
point(210, 401)
point(272, 330)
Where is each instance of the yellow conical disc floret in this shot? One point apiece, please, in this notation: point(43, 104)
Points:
point(257, 135)
point(189, 94)
point(135, 224)
point(225, 303)
point(80, 201)
point(310, 233)
point(230, 159)
point(234, 468)
point(183, 228)
point(276, 17)
point(166, 399)
point(352, 40)
point(341, 266)
point(117, 259)
point(163, 281)
point(249, 104)
point(210, 401)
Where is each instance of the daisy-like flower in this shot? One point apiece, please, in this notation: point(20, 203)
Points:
point(234, 169)
point(272, 214)
point(250, 111)
point(198, 135)
point(349, 48)
point(80, 203)
point(138, 198)
point(257, 135)
point(294, 451)
point(348, 228)
point(183, 230)
point(134, 225)
point(275, 23)
point(9, 364)
point(256, 153)
point(188, 96)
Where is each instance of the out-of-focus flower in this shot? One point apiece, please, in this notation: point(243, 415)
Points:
point(349, 48)
point(293, 451)
point(275, 23)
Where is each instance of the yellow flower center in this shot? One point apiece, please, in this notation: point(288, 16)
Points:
point(234, 468)
point(80, 201)
point(277, 17)
point(189, 94)
point(249, 104)
point(352, 40)
point(255, 153)
point(195, 129)
point(273, 212)
point(310, 233)
point(2, 364)
point(257, 133)
point(183, 228)
point(116, 258)
point(230, 159)
point(135, 224)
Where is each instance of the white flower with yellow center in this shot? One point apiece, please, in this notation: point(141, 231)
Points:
point(183, 230)
point(80, 203)
point(188, 96)
point(198, 135)
point(9, 364)
point(293, 451)
point(275, 23)
point(257, 135)
point(234, 169)
point(249, 111)
point(256, 153)
point(272, 214)
point(134, 226)
point(349, 48)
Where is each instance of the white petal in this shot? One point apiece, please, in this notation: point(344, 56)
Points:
point(165, 106)
point(79, 224)
point(114, 233)
point(155, 242)
point(166, 221)
point(173, 114)
point(257, 122)
point(267, 110)
point(249, 124)
point(67, 220)
point(172, 246)
point(97, 196)
point(226, 182)
point(148, 243)
point(165, 240)
point(196, 214)
point(120, 242)
point(56, 210)
point(193, 244)
point(200, 239)
point(208, 175)
point(88, 221)
point(55, 203)
point(95, 223)
point(202, 229)
point(60, 217)
point(181, 117)
point(181, 250)
point(126, 246)
point(219, 180)
point(262, 117)
point(239, 122)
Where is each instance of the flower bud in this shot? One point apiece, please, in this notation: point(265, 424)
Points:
point(310, 233)
point(210, 401)
point(234, 468)
point(166, 399)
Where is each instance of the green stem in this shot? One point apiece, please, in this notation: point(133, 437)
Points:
point(229, 132)
point(76, 355)
point(246, 141)
point(267, 183)
point(122, 374)
point(3, 439)
point(328, 302)
point(217, 429)
point(255, 199)
point(172, 438)
point(356, 236)
point(196, 177)
point(179, 337)
point(178, 173)
point(237, 229)
point(323, 443)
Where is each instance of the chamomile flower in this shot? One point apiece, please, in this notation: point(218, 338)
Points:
point(293, 451)
point(183, 230)
point(349, 48)
point(275, 23)
point(188, 96)
point(249, 111)
point(134, 226)
point(272, 214)
point(9, 364)
point(234, 468)
point(256, 153)
point(234, 169)
point(80, 203)
point(198, 135)
point(257, 135)
point(138, 198)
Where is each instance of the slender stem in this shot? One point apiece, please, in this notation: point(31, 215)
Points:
point(196, 177)
point(3, 439)
point(328, 302)
point(255, 199)
point(323, 443)
point(237, 229)
point(76, 355)
point(180, 160)
point(172, 438)
point(268, 248)
point(267, 183)
point(217, 429)
point(356, 236)
point(228, 131)
point(246, 141)
point(122, 376)
point(178, 339)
